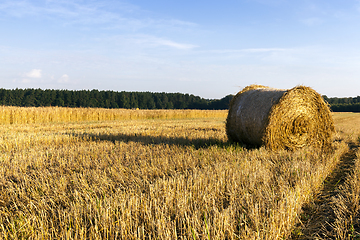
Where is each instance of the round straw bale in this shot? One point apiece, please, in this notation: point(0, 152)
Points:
point(279, 119)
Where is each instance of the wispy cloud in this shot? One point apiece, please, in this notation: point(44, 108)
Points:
point(155, 41)
point(34, 73)
point(250, 50)
point(258, 50)
point(64, 79)
point(113, 14)
point(135, 42)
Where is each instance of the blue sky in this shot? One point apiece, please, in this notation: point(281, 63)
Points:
point(205, 48)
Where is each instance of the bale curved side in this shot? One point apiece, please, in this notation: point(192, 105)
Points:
point(248, 112)
point(277, 118)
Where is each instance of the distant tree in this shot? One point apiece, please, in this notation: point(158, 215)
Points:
point(158, 102)
point(68, 99)
point(29, 98)
point(124, 101)
point(59, 102)
point(357, 99)
point(169, 105)
point(151, 103)
point(133, 100)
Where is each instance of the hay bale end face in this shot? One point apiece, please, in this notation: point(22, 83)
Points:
point(279, 119)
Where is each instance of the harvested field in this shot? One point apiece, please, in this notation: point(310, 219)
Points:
point(168, 178)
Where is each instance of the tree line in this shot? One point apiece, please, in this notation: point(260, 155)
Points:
point(141, 100)
point(108, 99)
point(347, 104)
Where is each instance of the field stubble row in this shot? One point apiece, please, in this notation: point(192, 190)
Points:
point(26, 115)
point(151, 179)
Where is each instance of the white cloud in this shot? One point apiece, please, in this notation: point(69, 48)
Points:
point(64, 79)
point(143, 41)
point(35, 73)
point(257, 50)
point(249, 50)
point(114, 14)
point(169, 43)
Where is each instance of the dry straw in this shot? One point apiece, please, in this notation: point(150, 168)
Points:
point(279, 119)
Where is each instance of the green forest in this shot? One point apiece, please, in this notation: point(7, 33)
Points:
point(141, 100)
point(108, 99)
point(349, 104)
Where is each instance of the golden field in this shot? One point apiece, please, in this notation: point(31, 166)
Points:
point(160, 174)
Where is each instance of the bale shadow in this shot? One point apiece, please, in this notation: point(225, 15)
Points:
point(197, 143)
